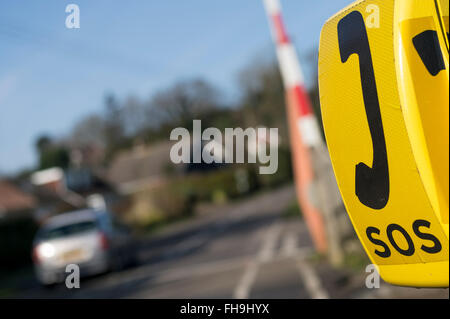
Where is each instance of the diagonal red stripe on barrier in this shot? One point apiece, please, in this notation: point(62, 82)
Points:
point(280, 32)
point(301, 99)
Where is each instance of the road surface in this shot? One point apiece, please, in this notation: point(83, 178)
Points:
point(246, 249)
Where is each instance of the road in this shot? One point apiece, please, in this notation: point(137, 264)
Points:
point(246, 249)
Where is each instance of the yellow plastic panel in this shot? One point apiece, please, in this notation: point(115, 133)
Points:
point(423, 79)
point(391, 206)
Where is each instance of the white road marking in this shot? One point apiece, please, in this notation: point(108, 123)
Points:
point(289, 246)
point(268, 247)
point(242, 290)
point(311, 280)
point(266, 253)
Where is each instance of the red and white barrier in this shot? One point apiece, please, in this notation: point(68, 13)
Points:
point(292, 76)
point(306, 140)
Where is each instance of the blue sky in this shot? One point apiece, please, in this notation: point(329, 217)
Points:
point(51, 76)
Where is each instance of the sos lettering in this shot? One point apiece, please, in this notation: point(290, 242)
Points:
point(433, 245)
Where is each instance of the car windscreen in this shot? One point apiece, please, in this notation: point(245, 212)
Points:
point(67, 230)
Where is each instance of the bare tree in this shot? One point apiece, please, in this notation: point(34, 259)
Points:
point(262, 95)
point(134, 116)
point(89, 130)
point(185, 101)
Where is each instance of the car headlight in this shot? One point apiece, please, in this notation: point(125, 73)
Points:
point(46, 250)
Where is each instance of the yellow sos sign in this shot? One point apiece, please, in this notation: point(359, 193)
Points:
point(384, 81)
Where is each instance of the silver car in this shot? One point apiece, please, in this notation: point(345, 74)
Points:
point(87, 238)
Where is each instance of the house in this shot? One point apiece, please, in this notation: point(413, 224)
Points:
point(17, 226)
point(14, 202)
point(60, 190)
point(143, 166)
point(150, 165)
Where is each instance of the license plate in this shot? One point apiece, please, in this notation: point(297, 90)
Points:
point(72, 255)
